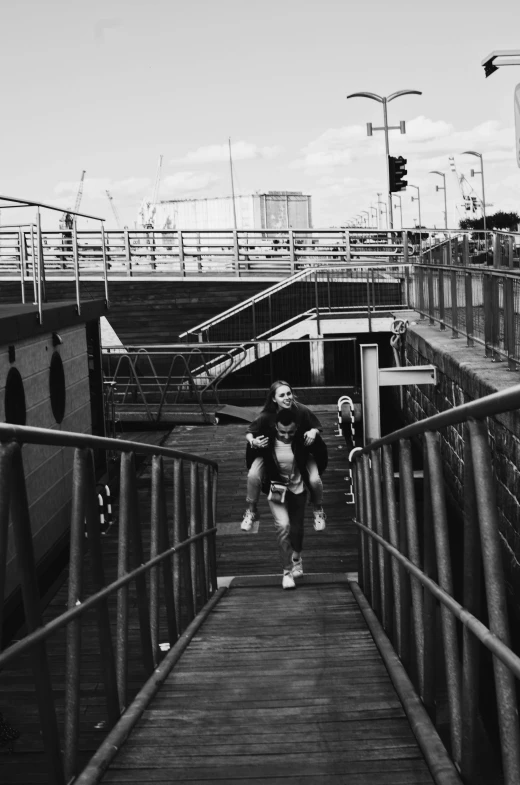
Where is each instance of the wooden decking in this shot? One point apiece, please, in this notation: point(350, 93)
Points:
point(277, 687)
point(334, 550)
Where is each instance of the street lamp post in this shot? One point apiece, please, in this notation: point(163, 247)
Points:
point(417, 199)
point(365, 212)
point(396, 196)
point(385, 100)
point(374, 210)
point(442, 188)
point(479, 155)
point(380, 211)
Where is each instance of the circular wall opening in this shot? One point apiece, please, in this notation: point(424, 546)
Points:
point(57, 387)
point(15, 411)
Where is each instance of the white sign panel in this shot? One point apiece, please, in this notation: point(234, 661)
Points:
point(517, 123)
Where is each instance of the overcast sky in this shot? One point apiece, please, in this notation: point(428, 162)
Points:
point(109, 85)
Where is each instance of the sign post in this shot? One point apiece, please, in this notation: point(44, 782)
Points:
point(517, 123)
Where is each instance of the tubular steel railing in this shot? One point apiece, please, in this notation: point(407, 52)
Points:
point(182, 547)
point(473, 287)
point(326, 290)
point(68, 253)
point(408, 571)
point(176, 374)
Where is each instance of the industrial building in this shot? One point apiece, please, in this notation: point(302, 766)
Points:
point(271, 210)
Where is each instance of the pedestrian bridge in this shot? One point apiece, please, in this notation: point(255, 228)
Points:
point(171, 653)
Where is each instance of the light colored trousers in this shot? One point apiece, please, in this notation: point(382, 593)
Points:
point(256, 473)
point(288, 520)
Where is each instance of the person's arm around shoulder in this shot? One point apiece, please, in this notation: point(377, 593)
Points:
point(256, 434)
point(310, 424)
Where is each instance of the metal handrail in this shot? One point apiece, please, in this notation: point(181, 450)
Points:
point(402, 553)
point(279, 286)
point(188, 572)
point(30, 435)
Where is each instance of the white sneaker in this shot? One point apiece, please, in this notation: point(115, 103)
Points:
point(297, 568)
point(288, 581)
point(248, 520)
point(319, 520)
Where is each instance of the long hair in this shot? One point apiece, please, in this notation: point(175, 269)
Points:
point(270, 405)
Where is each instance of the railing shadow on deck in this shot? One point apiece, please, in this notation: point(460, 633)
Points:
point(407, 573)
point(167, 617)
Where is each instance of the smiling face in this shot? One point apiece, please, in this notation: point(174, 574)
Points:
point(283, 397)
point(285, 433)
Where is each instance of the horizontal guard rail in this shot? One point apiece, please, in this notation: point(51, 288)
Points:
point(480, 630)
point(44, 632)
point(30, 435)
point(496, 403)
point(415, 565)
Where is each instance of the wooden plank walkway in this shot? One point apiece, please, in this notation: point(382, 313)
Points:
point(256, 553)
point(333, 550)
point(276, 687)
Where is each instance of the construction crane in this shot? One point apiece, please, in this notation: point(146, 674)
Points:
point(67, 220)
point(113, 206)
point(469, 195)
point(149, 206)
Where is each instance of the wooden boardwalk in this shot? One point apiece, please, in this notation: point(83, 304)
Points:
point(334, 550)
point(276, 687)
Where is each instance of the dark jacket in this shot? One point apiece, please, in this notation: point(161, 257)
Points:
point(305, 420)
point(317, 450)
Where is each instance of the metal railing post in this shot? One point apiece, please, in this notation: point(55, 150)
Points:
point(23, 260)
point(105, 264)
point(468, 284)
point(291, 251)
point(440, 283)
point(348, 254)
point(35, 266)
point(75, 257)
point(471, 599)
point(41, 268)
point(393, 537)
point(509, 322)
point(408, 511)
point(444, 569)
point(180, 243)
point(431, 309)
point(236, 257)
point(75, 595)
point(496, 597)
point(128, 255)
point(23, 540)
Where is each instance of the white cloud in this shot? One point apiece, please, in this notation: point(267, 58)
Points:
point(216, 153)
point(188, 181)
point(428, 142)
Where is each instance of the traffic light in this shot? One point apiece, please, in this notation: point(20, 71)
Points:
point(397, 170)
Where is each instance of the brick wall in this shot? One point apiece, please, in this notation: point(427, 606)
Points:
point(464, 374)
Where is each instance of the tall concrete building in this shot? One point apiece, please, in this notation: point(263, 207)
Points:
point(271, 210)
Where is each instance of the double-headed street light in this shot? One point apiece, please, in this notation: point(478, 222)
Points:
point(479, 155)
point(442, 188)
point(385, 100)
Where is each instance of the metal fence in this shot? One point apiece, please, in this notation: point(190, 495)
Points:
point(182, 557)
point(189, 252)
point(475, 293)
point(409, 572)
point(317, 293)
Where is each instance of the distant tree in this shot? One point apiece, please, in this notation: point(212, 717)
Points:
point(500, 220)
